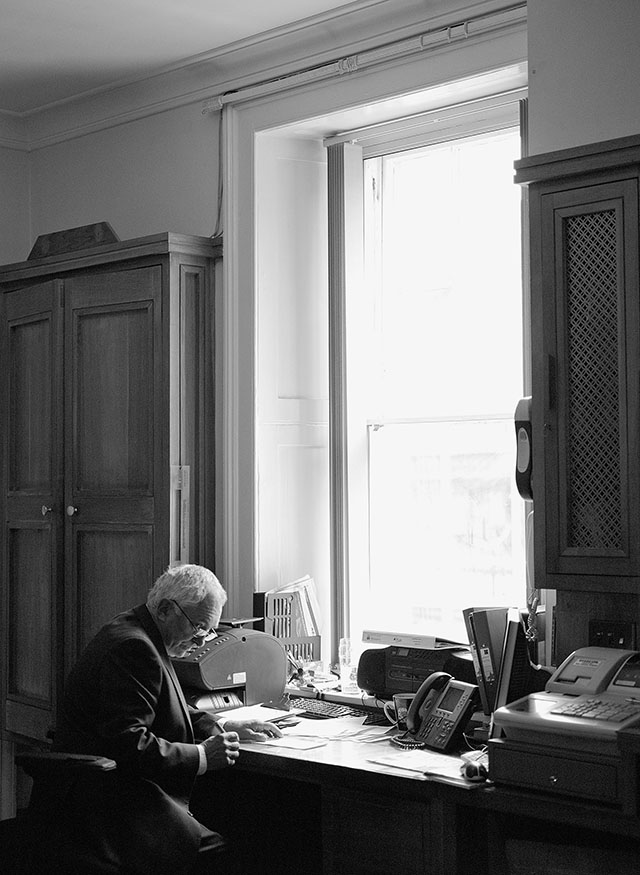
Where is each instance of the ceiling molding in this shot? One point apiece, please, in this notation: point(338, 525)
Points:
point(364, 29)
point(13, 132)
point(444, 36)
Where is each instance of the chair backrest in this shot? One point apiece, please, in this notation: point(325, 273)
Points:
point(44, 833)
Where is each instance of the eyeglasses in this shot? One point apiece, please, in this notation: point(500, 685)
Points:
point(200, 631)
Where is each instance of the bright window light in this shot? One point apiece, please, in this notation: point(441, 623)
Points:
point(444, 346)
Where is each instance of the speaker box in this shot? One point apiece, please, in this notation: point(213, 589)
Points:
point(371, 671)
point(387, 670)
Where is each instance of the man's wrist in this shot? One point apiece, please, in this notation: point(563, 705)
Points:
point(202, 765)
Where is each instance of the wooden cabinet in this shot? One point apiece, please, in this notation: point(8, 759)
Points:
point(584, 229)
point(107, 447)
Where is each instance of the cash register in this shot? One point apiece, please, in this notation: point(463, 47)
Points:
point(566, 738)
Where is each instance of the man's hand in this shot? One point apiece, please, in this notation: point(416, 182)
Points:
point(253, 730)
point(221, 750)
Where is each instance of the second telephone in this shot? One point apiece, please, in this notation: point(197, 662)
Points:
point(439, 713)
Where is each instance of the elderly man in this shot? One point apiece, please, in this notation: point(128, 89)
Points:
point(123, 701)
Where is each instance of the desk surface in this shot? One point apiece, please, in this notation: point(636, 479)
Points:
point(356, 752)
point(347, 762)
point(343, 814)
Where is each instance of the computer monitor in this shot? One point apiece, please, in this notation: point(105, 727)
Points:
point(486, 629)
point(518, 675)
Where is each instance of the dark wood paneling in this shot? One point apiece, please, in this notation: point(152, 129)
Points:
point(111, 572)
point(30, 596)
point(32, 501)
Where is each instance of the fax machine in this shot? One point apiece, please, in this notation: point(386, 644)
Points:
point(566, 739)
point(236, 667)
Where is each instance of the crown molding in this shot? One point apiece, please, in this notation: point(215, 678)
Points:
point(13, 132)
point(361, 27)
point(397, 50)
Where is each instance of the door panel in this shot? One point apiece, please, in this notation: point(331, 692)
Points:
point(113, 443)
point(30, 405)
point(591, 385)
point(30, 592)
point(31, 382)
point(113, 399)
point(112, 568)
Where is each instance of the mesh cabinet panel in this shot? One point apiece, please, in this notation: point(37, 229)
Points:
point(593, 416)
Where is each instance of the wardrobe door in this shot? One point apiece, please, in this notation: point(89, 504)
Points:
point(115, 455)
point(588, 381)
point(32, 519)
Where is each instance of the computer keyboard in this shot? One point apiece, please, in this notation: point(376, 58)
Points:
point(599, 709)
point(319, 709)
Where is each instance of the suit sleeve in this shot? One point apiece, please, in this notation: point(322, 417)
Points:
point(141, 727)
point(204, 724)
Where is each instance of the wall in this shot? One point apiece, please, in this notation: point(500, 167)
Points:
point(160, 172)
point(14, 212)
point(155, 174)
point(142, 155)
point(584, 71)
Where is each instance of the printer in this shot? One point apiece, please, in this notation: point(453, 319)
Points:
point(568, 738)
point(236, 667)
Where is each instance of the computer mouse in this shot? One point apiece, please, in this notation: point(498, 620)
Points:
point(475, 772)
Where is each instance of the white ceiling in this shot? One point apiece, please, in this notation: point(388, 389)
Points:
point(53, 50)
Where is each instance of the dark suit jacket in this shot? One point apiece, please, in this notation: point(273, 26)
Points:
point(123, 701)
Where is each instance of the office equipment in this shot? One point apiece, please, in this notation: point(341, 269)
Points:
point(408, 639)
point(518, 676)
point(439, 713)
point(566, 737)
point(291, 614)
point(331, 703)
point(384, 671)
point(238, 667)
point(590, 697)
point(323, 709)
point(486, 629)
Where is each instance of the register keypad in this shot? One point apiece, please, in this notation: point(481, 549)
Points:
point(599, 709)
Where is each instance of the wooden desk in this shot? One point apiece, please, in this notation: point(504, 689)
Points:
point(328, 811)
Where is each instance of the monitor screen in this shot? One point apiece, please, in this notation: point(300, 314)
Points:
point(518, 675)
point(486, 629)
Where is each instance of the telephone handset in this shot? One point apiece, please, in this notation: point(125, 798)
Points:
point(439, 713)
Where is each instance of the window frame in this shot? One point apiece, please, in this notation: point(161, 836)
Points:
point(496, 60)
point(347, 153)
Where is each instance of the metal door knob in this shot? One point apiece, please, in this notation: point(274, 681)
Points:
point(71, 510)
point(45, 510)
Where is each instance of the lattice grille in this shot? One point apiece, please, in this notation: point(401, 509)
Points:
point(595, 505)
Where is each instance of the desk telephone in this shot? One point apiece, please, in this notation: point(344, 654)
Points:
point(438, 713)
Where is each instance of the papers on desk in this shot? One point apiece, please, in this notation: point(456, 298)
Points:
point(310, 733)
point(295, 742)
point(424, 761)
point(254, 712)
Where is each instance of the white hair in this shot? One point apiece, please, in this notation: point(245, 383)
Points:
point(188, 584)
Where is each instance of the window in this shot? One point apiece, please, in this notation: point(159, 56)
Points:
point(442, 339)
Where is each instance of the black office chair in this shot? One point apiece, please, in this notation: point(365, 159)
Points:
point(45, 837)
point(45, 833)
